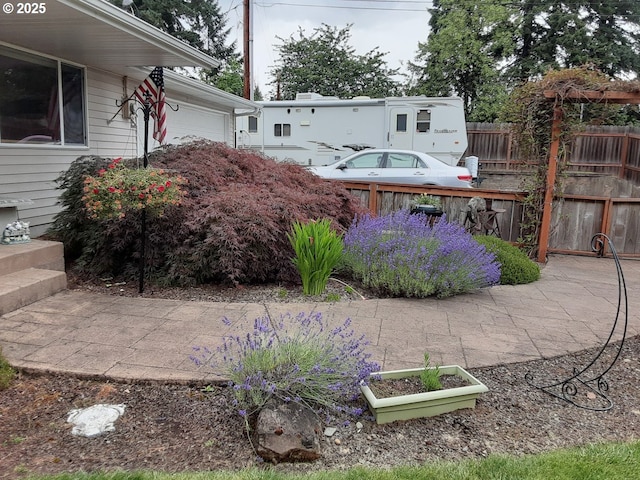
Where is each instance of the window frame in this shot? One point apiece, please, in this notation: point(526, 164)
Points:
point(59, 65)
point(407, 161)
point(420, 122)
point(284, 130)
point(404, 123)
point(361, 161)
point(252, 124)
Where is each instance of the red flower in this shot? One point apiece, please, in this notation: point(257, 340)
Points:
point(168, 183)
point(101, 172)
point(96, 191)
point(141, 195)
point(161, 189)
point(112, 189)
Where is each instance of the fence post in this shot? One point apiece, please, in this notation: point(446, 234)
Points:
point(373, 199)
point(545, 226)
point(624, 155)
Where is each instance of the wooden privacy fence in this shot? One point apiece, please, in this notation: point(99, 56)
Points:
point(576, 218)
point(606, 150)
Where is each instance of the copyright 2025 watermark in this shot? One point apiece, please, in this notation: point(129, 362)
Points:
point(24, 8)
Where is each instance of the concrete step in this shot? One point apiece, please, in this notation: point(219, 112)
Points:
point(22, 288)
point(35, 254)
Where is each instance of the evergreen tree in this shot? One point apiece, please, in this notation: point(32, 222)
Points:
point(200, 23)
point(462, 53)
point(566, 34)
point(480, 50)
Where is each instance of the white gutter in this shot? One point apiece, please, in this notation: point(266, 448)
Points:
point(122, 20)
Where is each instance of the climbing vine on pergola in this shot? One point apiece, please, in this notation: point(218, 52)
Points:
point(556, 99)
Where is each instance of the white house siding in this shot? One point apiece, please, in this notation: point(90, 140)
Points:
point(190, 122)
point(29, 171)
point(107, 137)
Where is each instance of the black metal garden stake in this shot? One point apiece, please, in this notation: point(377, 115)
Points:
point(586, 386)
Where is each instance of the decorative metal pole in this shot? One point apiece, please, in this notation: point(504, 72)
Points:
point(146, 110)
point(586, 386)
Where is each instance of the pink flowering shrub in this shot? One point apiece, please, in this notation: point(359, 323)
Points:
point(117, 189)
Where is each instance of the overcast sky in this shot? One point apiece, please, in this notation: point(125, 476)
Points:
point(395, 27)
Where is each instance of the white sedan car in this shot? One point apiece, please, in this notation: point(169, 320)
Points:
point(395, 166)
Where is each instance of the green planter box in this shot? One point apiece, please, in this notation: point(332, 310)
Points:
point(426, 404)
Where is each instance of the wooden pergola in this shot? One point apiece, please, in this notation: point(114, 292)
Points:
point(575, 96)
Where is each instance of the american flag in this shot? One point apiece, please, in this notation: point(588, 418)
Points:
point(154, 86)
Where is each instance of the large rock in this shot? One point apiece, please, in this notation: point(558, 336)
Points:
point(288, 432)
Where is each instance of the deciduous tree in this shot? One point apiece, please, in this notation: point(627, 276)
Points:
point(325, 63)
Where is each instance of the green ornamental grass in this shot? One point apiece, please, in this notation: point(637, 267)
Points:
point(318, 250)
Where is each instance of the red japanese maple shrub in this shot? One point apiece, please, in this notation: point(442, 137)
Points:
point(232, 224)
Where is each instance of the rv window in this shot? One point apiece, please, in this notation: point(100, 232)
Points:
point(282, 129)
point(253, 124)
point(43, 101)
point(401, 122)
point(424, 121)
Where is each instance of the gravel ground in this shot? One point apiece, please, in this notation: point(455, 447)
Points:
point(175, 428)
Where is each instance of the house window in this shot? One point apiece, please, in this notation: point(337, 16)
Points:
point(423, 123)
point(282, 129)
point(41, 100)
point(401, 122)
point(253, 124)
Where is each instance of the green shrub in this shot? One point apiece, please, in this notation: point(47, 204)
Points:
point(6, 372)
point(516, 267)
point(318, 250)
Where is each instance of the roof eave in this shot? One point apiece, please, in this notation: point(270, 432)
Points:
point(125, 21)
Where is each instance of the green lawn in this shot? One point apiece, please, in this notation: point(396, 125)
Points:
point(605, 462)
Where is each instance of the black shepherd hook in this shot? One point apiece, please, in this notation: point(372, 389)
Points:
point(590, 378)
point(146, 108)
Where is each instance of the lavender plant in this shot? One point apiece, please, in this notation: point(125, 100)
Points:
point(430, 377)
point(318, 249)
point(294, 359)
point(403, 255)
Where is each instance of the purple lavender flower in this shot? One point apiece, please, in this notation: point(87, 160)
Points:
point(295, 358)
point(403, 255)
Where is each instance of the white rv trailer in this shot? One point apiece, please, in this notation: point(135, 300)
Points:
point(317, 130)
